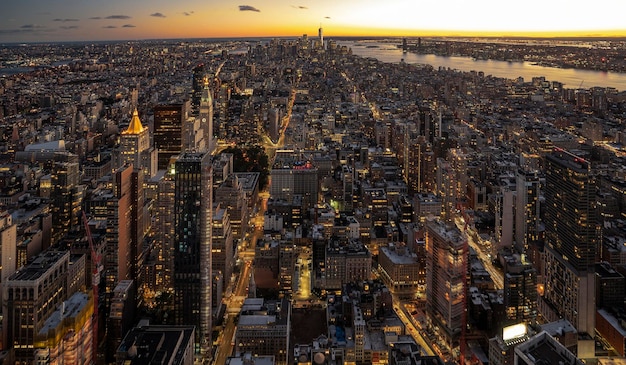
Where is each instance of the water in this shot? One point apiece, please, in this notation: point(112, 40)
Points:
point(571, 78)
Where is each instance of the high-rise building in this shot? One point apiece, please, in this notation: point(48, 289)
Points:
point(206, 116)
point(121, 316)
point(264, 328)
point(66, 197)
point(197, 82)
point(572, 236)
point(192, 245)
point(67, 335)
point(446, 271)
point(527, 209)
point(231, 196)
point(520, 291)
point(222, 255)
point(135, 147)
point(168, 130)
point(30, 296)
point(299, 178)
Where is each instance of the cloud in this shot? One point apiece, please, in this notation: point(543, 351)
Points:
point(326, 17)
point(128, 26)
point(31, 26)
point(187, 13)
point(158, 15)
point(299, 7)
point(27, 28)
point(118, 17)
point(109, 27)
point(95, 17)
point(248, 8)
point(64, 20)
point(69, 27)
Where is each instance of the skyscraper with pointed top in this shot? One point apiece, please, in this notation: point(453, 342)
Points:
point(135, 147)
point(206, 115)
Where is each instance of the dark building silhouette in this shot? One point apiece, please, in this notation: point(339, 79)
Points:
point(572, 236)
point(168, 130)
point(192, 245)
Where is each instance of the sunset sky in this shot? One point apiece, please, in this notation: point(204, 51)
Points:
point(77, 20)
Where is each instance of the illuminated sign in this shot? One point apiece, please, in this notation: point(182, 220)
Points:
point(514, 331)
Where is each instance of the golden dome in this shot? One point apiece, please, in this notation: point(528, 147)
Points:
point(135, 126)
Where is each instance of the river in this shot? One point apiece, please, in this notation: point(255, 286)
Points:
point(571, 78)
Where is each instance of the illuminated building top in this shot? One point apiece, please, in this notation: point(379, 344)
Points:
point(135, 126)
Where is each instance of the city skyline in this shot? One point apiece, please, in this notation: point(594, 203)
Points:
point(73, 20)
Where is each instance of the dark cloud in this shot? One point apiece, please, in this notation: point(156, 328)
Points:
point(118, 17)
point(128, 26)
point(95, 17)
point(15, 31)
point(299, 7)
point(64, 20)
point(31, 26)
point(158, 15)
point(248, 8)
point(326, 17)
point(187, 13)
point(69, 27)
point(109, 27)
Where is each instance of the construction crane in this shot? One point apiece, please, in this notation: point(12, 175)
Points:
point(96, 259)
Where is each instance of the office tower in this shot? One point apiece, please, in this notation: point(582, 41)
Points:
point(527, 208)
point(197, 82)
point(163, 252)
point(121, 316)
point(230, 196)
point(67, 335)
point(172, 345)
point(206, 116)
point(504, 216)
point(66, 197)
point(168, 130)
point(446, 269)
point(8, 246)
point(192, 245)
point(446, 189)
point(287, 258)
point(264, 328)
point(572, 236)
point(520, 291)
point(298, 178)
point(118, 215)
point(135, 147)
point(400, 270)
point(320, 34)
point(347, 179)
point(222, 255)
point(30, 296)
point(346, 262)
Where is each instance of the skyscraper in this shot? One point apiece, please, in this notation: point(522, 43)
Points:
point(197, 84)
point(445, 279)
point(206, 115)
point(168, 130)
point(527, 209)
point(192, 245)
point(135, 147)
point(572, 235)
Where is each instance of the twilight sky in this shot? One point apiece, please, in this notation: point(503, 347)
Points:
point(77, 20)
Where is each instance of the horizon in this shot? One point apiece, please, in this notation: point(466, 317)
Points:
point(117, 20)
